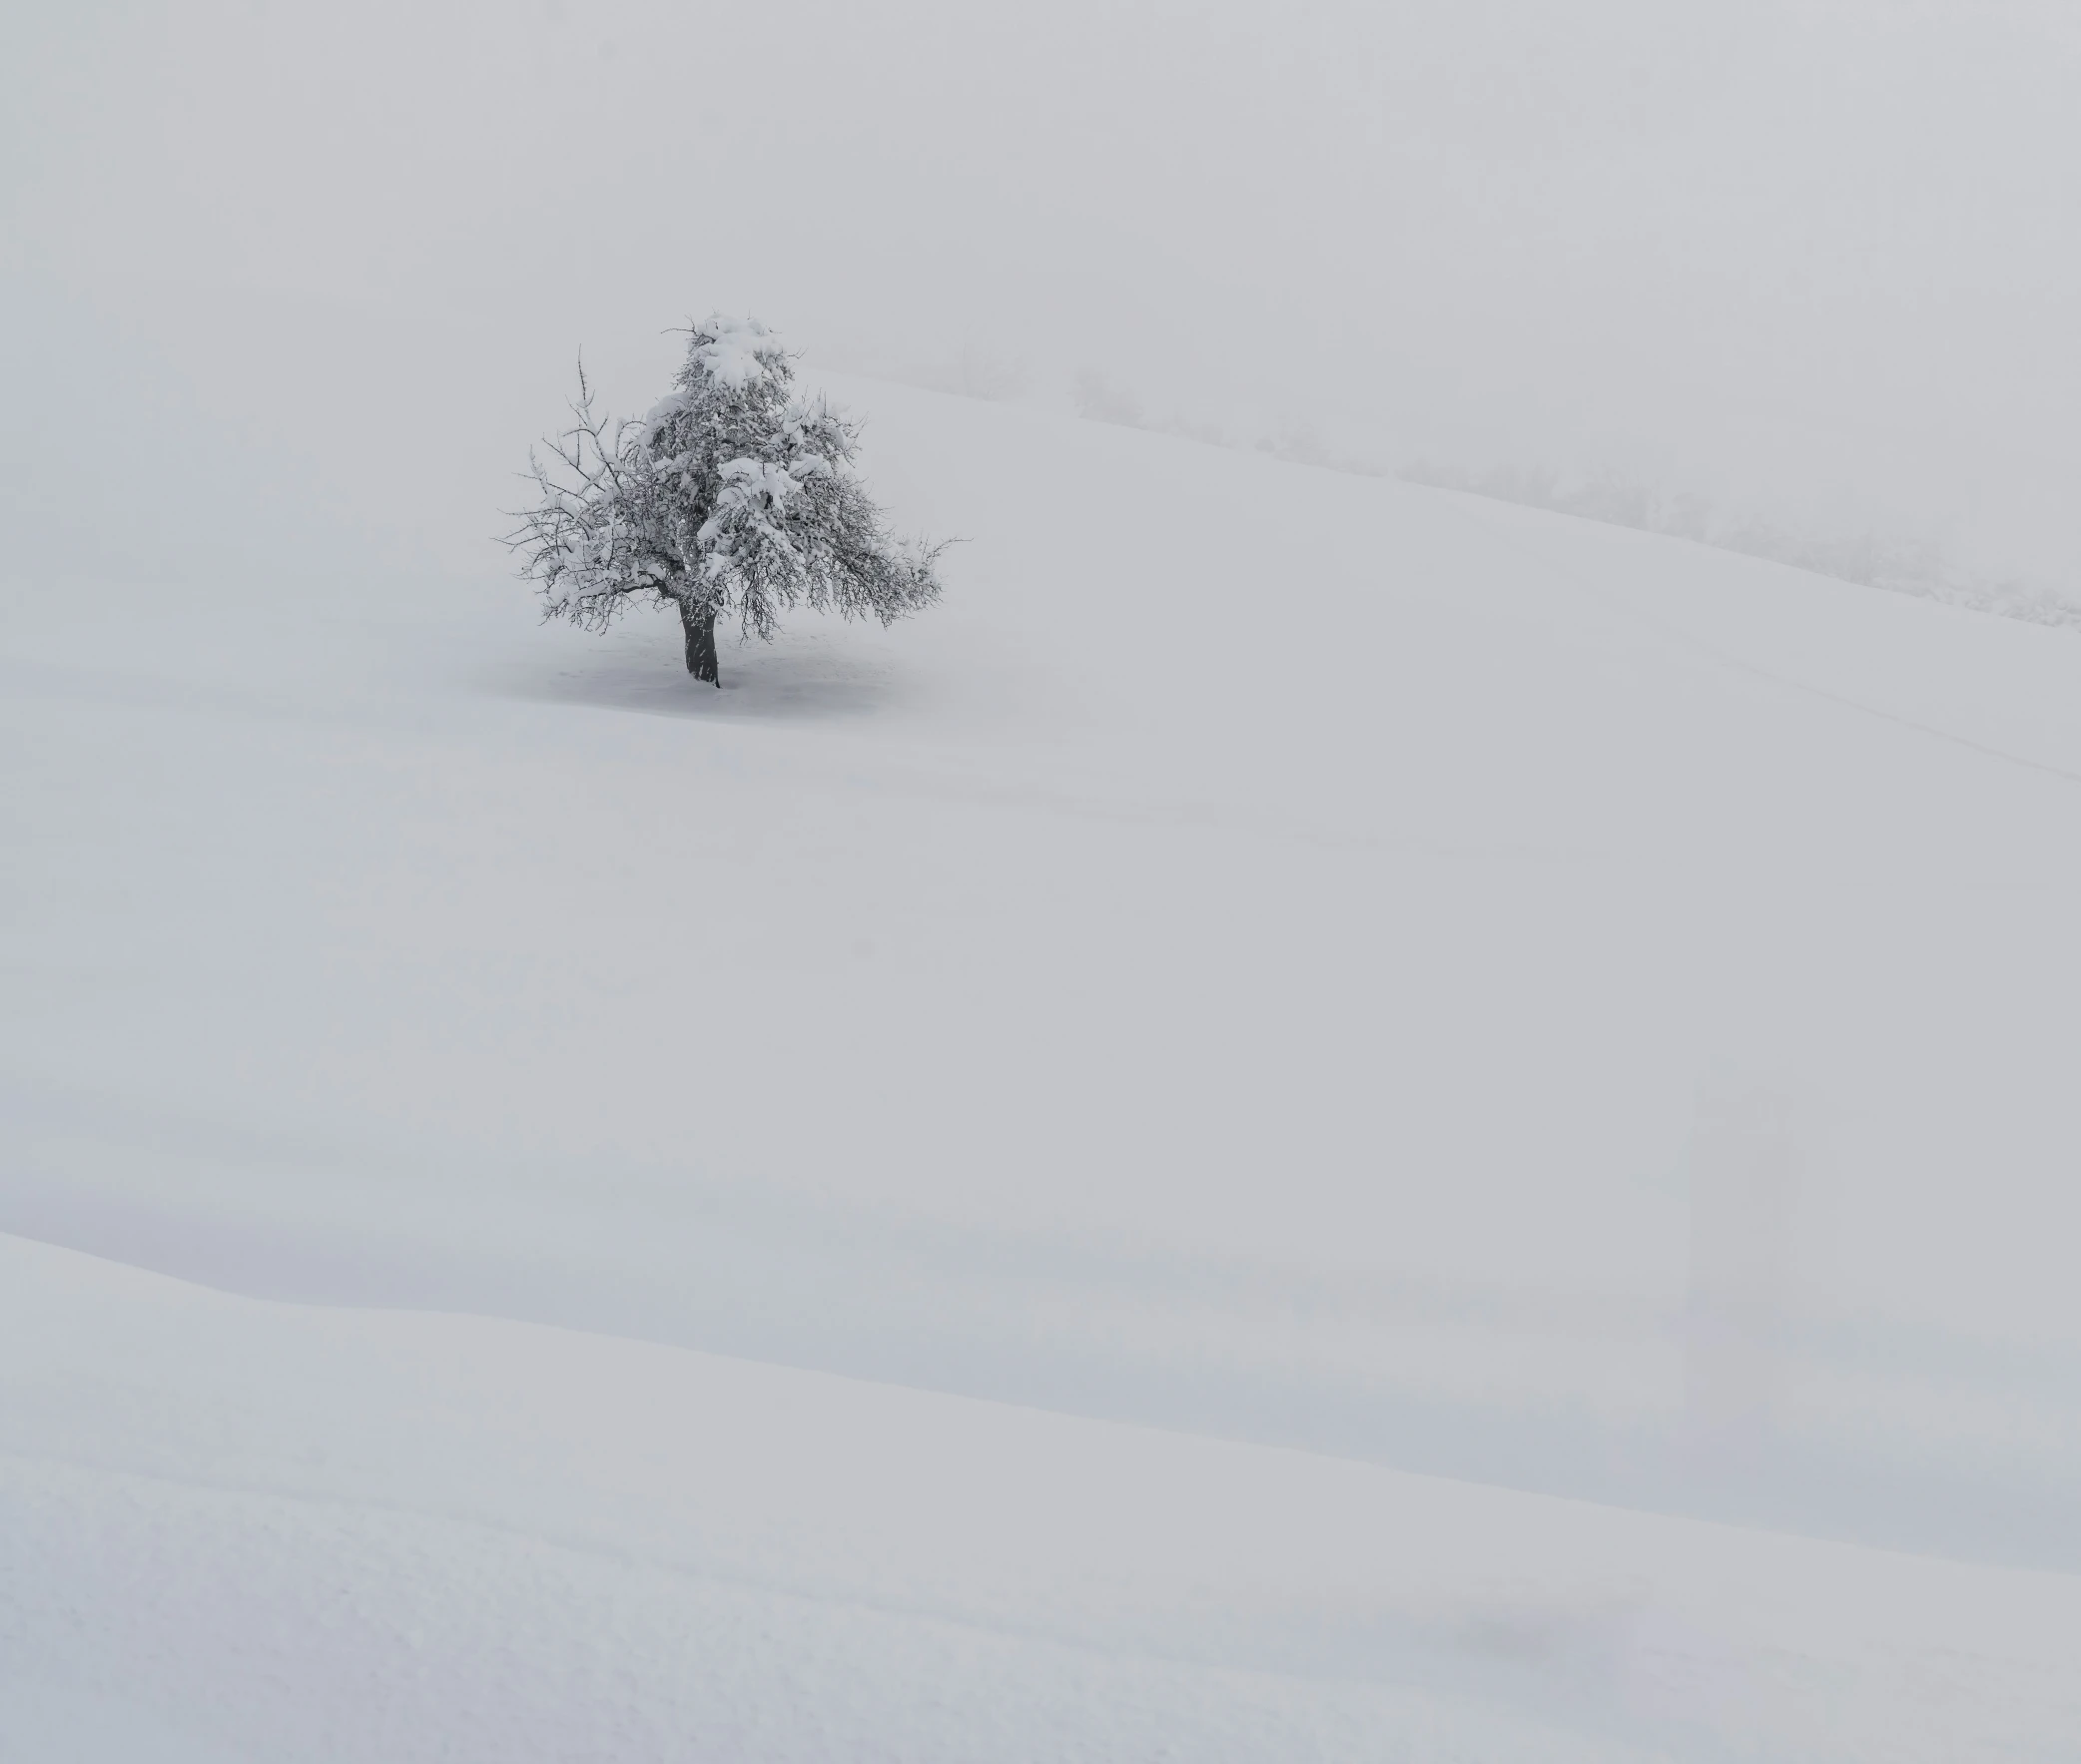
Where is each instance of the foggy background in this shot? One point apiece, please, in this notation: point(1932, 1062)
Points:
point(287, 292)
point(1808, 264)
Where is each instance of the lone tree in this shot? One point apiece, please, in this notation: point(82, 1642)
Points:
point(732, 497)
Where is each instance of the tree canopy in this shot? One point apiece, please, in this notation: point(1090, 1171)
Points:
point(732, 497)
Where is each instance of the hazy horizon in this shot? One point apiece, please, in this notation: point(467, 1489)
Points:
point(1815, 262)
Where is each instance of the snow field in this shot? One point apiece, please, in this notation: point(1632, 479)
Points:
point(1246, 966)
point(373, 1535)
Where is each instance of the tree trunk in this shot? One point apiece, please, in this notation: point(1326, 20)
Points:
point(700, 642)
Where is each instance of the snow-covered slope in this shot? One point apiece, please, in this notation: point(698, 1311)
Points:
point(262, 1530)
point(1248, 964)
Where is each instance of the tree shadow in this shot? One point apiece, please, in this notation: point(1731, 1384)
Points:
point(805, 675)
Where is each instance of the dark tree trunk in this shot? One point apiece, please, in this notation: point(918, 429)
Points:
point(700, 642)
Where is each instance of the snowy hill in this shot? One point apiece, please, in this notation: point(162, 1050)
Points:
point(1267, 960)
point(247, 1530)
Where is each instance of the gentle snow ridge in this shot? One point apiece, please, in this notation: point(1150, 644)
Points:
point(418, 1536)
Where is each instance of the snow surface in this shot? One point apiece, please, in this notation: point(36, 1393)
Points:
point(290, 1530)
point(884, 1211)
point(739, 351)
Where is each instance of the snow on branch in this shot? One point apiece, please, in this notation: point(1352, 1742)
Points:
point(731, 497)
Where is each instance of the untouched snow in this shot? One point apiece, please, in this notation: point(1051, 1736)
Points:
point(288, 1531)
point(1256, 963)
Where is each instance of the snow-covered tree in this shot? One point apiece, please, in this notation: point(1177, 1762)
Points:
point(734, 497)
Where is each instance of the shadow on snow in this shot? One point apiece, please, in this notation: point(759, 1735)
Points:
point(806, 675)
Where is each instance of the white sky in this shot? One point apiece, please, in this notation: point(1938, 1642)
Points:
point(1821, 257)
